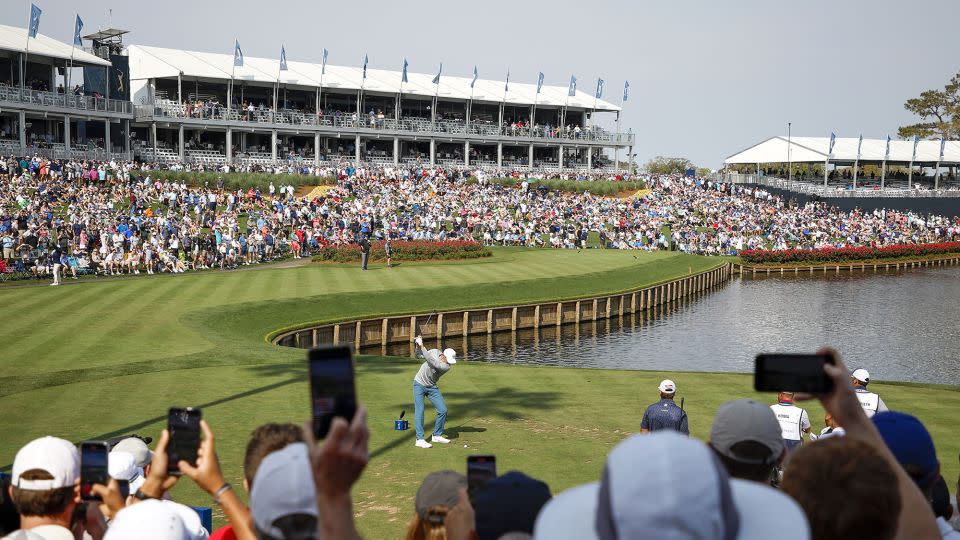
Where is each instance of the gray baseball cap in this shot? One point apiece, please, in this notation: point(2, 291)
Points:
point(440, 487)
point(745, 420)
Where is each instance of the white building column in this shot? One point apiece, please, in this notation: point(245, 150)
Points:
point(396, 150)
point(499, 154)
point(229, 145)
point(273, 145)
point(560, 157)
point(183, 151)
point(126, 138)
point(466, 153)
point(530, 157)
point(22, 120)
point(153, 137)
point(589, 159)
point(356, 149)
point(316, 148)
point(66, 134)
point(107, 143)
point(433, 152)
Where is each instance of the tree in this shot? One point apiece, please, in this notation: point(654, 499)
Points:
point(665, 165)
point(939, 112)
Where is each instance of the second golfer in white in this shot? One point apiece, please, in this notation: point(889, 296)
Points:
point(425, 384)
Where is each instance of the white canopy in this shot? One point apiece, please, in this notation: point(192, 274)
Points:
point(814, 150)
point(157, 62)
point(14, 39)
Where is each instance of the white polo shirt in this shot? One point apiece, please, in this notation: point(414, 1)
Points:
point(871, 402)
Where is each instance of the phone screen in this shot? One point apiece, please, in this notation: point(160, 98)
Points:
point(480, 470)
point(332, 389)
point(792, 373)
point(184, 427)
point(93, 468)
point(124, 486)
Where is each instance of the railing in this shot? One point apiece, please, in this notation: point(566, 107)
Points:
point(163, 109)
point(60, 151)
point(818, 189)
point(41, 98)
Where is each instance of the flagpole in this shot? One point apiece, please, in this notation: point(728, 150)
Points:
point(233, 72)
point(26, 57)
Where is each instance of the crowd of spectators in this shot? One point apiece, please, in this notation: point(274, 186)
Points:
point(115, 217)
point(879, 479)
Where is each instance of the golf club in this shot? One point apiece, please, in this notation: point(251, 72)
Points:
point(681, 403)
point(427, 322)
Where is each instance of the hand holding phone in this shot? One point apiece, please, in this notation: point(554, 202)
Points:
point(332, 388)
point(183, 424)
point(94, 456)
point(792, 373)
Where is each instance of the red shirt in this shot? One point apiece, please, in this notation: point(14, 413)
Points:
point(224, 533)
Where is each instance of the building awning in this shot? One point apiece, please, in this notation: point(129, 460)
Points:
point(14, 39)
point(815, 150)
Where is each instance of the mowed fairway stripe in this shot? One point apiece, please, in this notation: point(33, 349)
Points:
point(116, 310)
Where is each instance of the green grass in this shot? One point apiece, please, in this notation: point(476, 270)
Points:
point(104, 358)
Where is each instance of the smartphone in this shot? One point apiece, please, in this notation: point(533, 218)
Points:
point(93, 468)
point(792, 373)
point(183, 423)
point(480, 470)
point(332, 388)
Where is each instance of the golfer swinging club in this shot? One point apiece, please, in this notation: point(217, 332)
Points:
point(425, 384)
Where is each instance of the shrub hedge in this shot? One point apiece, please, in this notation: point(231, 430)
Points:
point(603, 188)
point(847, 254)
point(234, 181)
point(405, 251)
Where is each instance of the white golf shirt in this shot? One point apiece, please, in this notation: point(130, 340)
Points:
point(871, 403)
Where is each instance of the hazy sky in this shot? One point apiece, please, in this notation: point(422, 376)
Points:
point(707, 77)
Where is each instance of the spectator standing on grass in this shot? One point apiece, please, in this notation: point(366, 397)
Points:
point(871, 402)
point(794, 422)
point(665, 414)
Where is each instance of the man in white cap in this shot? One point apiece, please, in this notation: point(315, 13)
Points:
point(871, 402)
point(425, 384)
point(665, 485)
point(665, 414)
point(283, 499)
point(45, 487)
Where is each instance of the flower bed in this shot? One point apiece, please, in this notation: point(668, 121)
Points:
point(405, 251)
point(847, 254)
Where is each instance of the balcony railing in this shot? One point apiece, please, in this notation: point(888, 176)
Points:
point(425, 126)
point(41, 98)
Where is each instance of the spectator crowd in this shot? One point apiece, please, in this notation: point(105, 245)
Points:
point(878, 478)
point(72, 217)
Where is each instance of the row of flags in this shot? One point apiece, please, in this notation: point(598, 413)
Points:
point(571, 90)
point(33, 27)
point(886, 154)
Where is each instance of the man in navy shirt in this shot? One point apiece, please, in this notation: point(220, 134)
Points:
point(665, 414)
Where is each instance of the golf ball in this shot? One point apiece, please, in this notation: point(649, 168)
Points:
point(464, 446)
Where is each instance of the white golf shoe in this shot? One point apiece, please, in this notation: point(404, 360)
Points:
point(439, 439)
point(422, 443)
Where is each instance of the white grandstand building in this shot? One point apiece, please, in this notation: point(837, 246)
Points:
point(175, 105)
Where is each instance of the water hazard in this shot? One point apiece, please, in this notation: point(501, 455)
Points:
point(900, 325)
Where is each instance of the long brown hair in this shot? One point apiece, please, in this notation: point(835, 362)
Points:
point(431, 527)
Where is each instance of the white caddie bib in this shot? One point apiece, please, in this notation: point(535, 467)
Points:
point(869, 401)
point(789, 418)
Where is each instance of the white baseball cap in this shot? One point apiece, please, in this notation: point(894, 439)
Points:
point(451, 355)
point(123, 466)
point(56, 456)
point(861, 375)
point(674, 485)
point(152, 519)
point(283, 486)
point(667, 386)
point(139, 449)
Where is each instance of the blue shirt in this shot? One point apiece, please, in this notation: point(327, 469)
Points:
point(665, 414)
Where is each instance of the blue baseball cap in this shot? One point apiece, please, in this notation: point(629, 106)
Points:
point(911, 444)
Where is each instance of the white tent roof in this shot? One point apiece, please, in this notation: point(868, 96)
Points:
point(14, 39)
point(814, 149)
point(157, 62)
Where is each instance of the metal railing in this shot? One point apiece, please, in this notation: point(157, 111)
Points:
point(217, 112)
point(809, 188)
point(42, 98)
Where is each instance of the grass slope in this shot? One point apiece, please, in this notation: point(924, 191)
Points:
point(105, 358)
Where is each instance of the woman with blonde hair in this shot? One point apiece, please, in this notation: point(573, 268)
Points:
point(438, 494)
